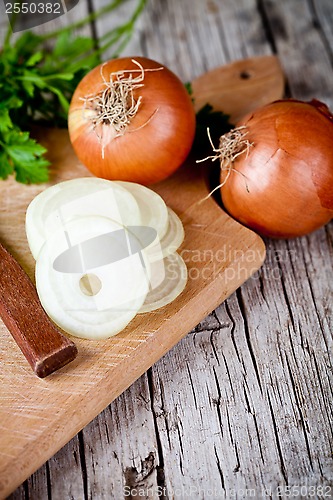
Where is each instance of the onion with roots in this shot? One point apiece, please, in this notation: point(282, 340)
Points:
point(277, 168)
point(131, 120)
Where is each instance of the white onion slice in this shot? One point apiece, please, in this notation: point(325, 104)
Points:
point(171, 241)
point(76, 198)
point(34, 222)
point(172, 284)
point(97, 292)
point(175, 234)
point(154, 212)
point(117, 290)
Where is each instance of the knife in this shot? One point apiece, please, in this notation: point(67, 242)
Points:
point(43, 345)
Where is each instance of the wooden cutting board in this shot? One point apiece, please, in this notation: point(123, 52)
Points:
point(39, 416)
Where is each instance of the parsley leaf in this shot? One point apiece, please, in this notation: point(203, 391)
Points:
point(6, 167)
point(24, 156)
point(188, 86)
point(217, 122)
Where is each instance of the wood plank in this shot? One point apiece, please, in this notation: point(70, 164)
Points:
point(322, 13)
point(247, 381)
point(57, 478)
point(132, 457)
point(194, 37)
point(112, 20)
point(304, 50)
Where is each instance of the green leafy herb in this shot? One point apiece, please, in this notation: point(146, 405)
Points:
point(36, 86)
point(24, 156)
point(18, 152)
point(217, 122)
point(188, 86)
point(207, 118)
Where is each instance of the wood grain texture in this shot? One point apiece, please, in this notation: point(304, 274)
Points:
point(260, 71)
point(245, 401)
point(220, 255)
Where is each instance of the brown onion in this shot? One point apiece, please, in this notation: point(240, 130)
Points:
point(148, 140)
point(281, 183)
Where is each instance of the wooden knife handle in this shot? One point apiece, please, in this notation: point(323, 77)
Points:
point(45, 348)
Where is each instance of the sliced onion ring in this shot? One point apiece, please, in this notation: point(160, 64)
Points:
point(170, 287)
point(169, 244)
point(171, 241)
point(76, 198)
point(154, 212)
point(114, 294)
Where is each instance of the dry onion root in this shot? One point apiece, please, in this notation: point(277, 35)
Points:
point(231, 145)
point(277, 168)
point(131, 120)
point(116, 105)
point(100, 250)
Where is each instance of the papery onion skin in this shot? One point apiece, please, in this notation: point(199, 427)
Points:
point(283, 188)
point(159, 137)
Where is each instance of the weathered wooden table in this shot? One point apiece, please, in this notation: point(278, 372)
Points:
point(242, 407)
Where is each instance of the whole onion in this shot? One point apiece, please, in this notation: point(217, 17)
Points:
point(280, 182)
point(131, 120)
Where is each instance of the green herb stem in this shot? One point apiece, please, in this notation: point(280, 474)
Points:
point(83, 22)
